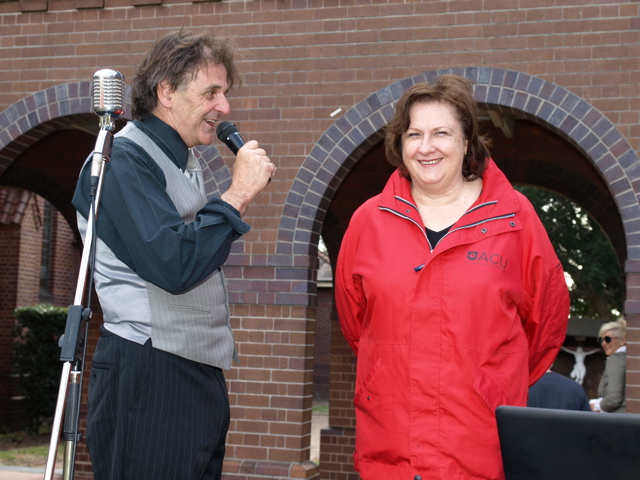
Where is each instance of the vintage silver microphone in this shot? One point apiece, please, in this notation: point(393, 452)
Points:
point(108, 104)
point(108, 93)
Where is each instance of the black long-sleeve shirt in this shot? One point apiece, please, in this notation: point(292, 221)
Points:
point(138, 221)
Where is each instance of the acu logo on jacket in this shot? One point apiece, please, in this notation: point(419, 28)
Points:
point(492, 259)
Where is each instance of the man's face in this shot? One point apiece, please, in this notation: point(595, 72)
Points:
point(194, 107)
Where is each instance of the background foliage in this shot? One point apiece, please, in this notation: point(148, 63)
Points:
point(36, 360)
point(586, 255)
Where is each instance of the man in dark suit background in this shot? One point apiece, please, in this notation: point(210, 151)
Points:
point(557, 391)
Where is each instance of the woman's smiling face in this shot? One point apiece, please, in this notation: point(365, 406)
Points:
point(433, 147)
point(615, 343)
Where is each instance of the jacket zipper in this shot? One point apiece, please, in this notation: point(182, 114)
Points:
point(470, 225)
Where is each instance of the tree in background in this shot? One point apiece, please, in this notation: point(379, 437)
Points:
point(36, 360)
point(587, 256)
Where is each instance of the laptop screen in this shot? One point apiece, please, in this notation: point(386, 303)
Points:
point(549, 444)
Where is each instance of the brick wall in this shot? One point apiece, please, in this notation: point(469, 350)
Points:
point(9, 256)
point(20, 283)
point(322, 345)
point(305, 59)
point(65, 264)
point(30, 254)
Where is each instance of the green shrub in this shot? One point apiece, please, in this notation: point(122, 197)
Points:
point(36, 361)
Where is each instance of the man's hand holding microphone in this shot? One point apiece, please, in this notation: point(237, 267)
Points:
point(252, 170)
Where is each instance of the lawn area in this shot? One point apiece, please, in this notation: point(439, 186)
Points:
point(25, 450)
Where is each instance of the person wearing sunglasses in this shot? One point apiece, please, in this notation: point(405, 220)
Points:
point(611, 389)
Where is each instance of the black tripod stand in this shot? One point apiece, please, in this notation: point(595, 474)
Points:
point(108, 100)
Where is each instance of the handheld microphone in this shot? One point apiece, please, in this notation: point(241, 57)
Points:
point(228, 133)
point(108, 93)
point(108, 104)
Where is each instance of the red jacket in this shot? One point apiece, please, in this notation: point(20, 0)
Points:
point(444, 336)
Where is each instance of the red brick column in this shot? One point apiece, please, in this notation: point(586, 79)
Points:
point(632, 315)
point(9, 259)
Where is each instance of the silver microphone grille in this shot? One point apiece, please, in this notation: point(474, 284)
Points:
point(108, 93)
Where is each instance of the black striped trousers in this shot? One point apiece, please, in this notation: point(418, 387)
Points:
point(154, 415)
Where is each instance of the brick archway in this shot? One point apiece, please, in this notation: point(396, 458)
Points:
point(343, 144)
point(70, 104)
point(538, 100)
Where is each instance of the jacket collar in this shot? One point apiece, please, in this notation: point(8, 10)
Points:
point(497, 197)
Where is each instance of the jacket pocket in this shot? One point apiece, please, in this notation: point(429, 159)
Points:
point(363, 388)
point(382, 417)
point(490, 392)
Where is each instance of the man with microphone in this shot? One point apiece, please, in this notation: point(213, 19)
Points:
point(158, 404)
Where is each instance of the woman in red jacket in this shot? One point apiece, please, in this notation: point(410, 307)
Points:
point(449, 293)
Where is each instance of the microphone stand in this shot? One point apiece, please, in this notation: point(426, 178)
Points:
point(74, 341)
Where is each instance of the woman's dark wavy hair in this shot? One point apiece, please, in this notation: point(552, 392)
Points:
point(451, 90)
point(177, 58)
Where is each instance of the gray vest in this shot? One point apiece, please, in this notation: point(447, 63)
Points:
point(193, 324)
